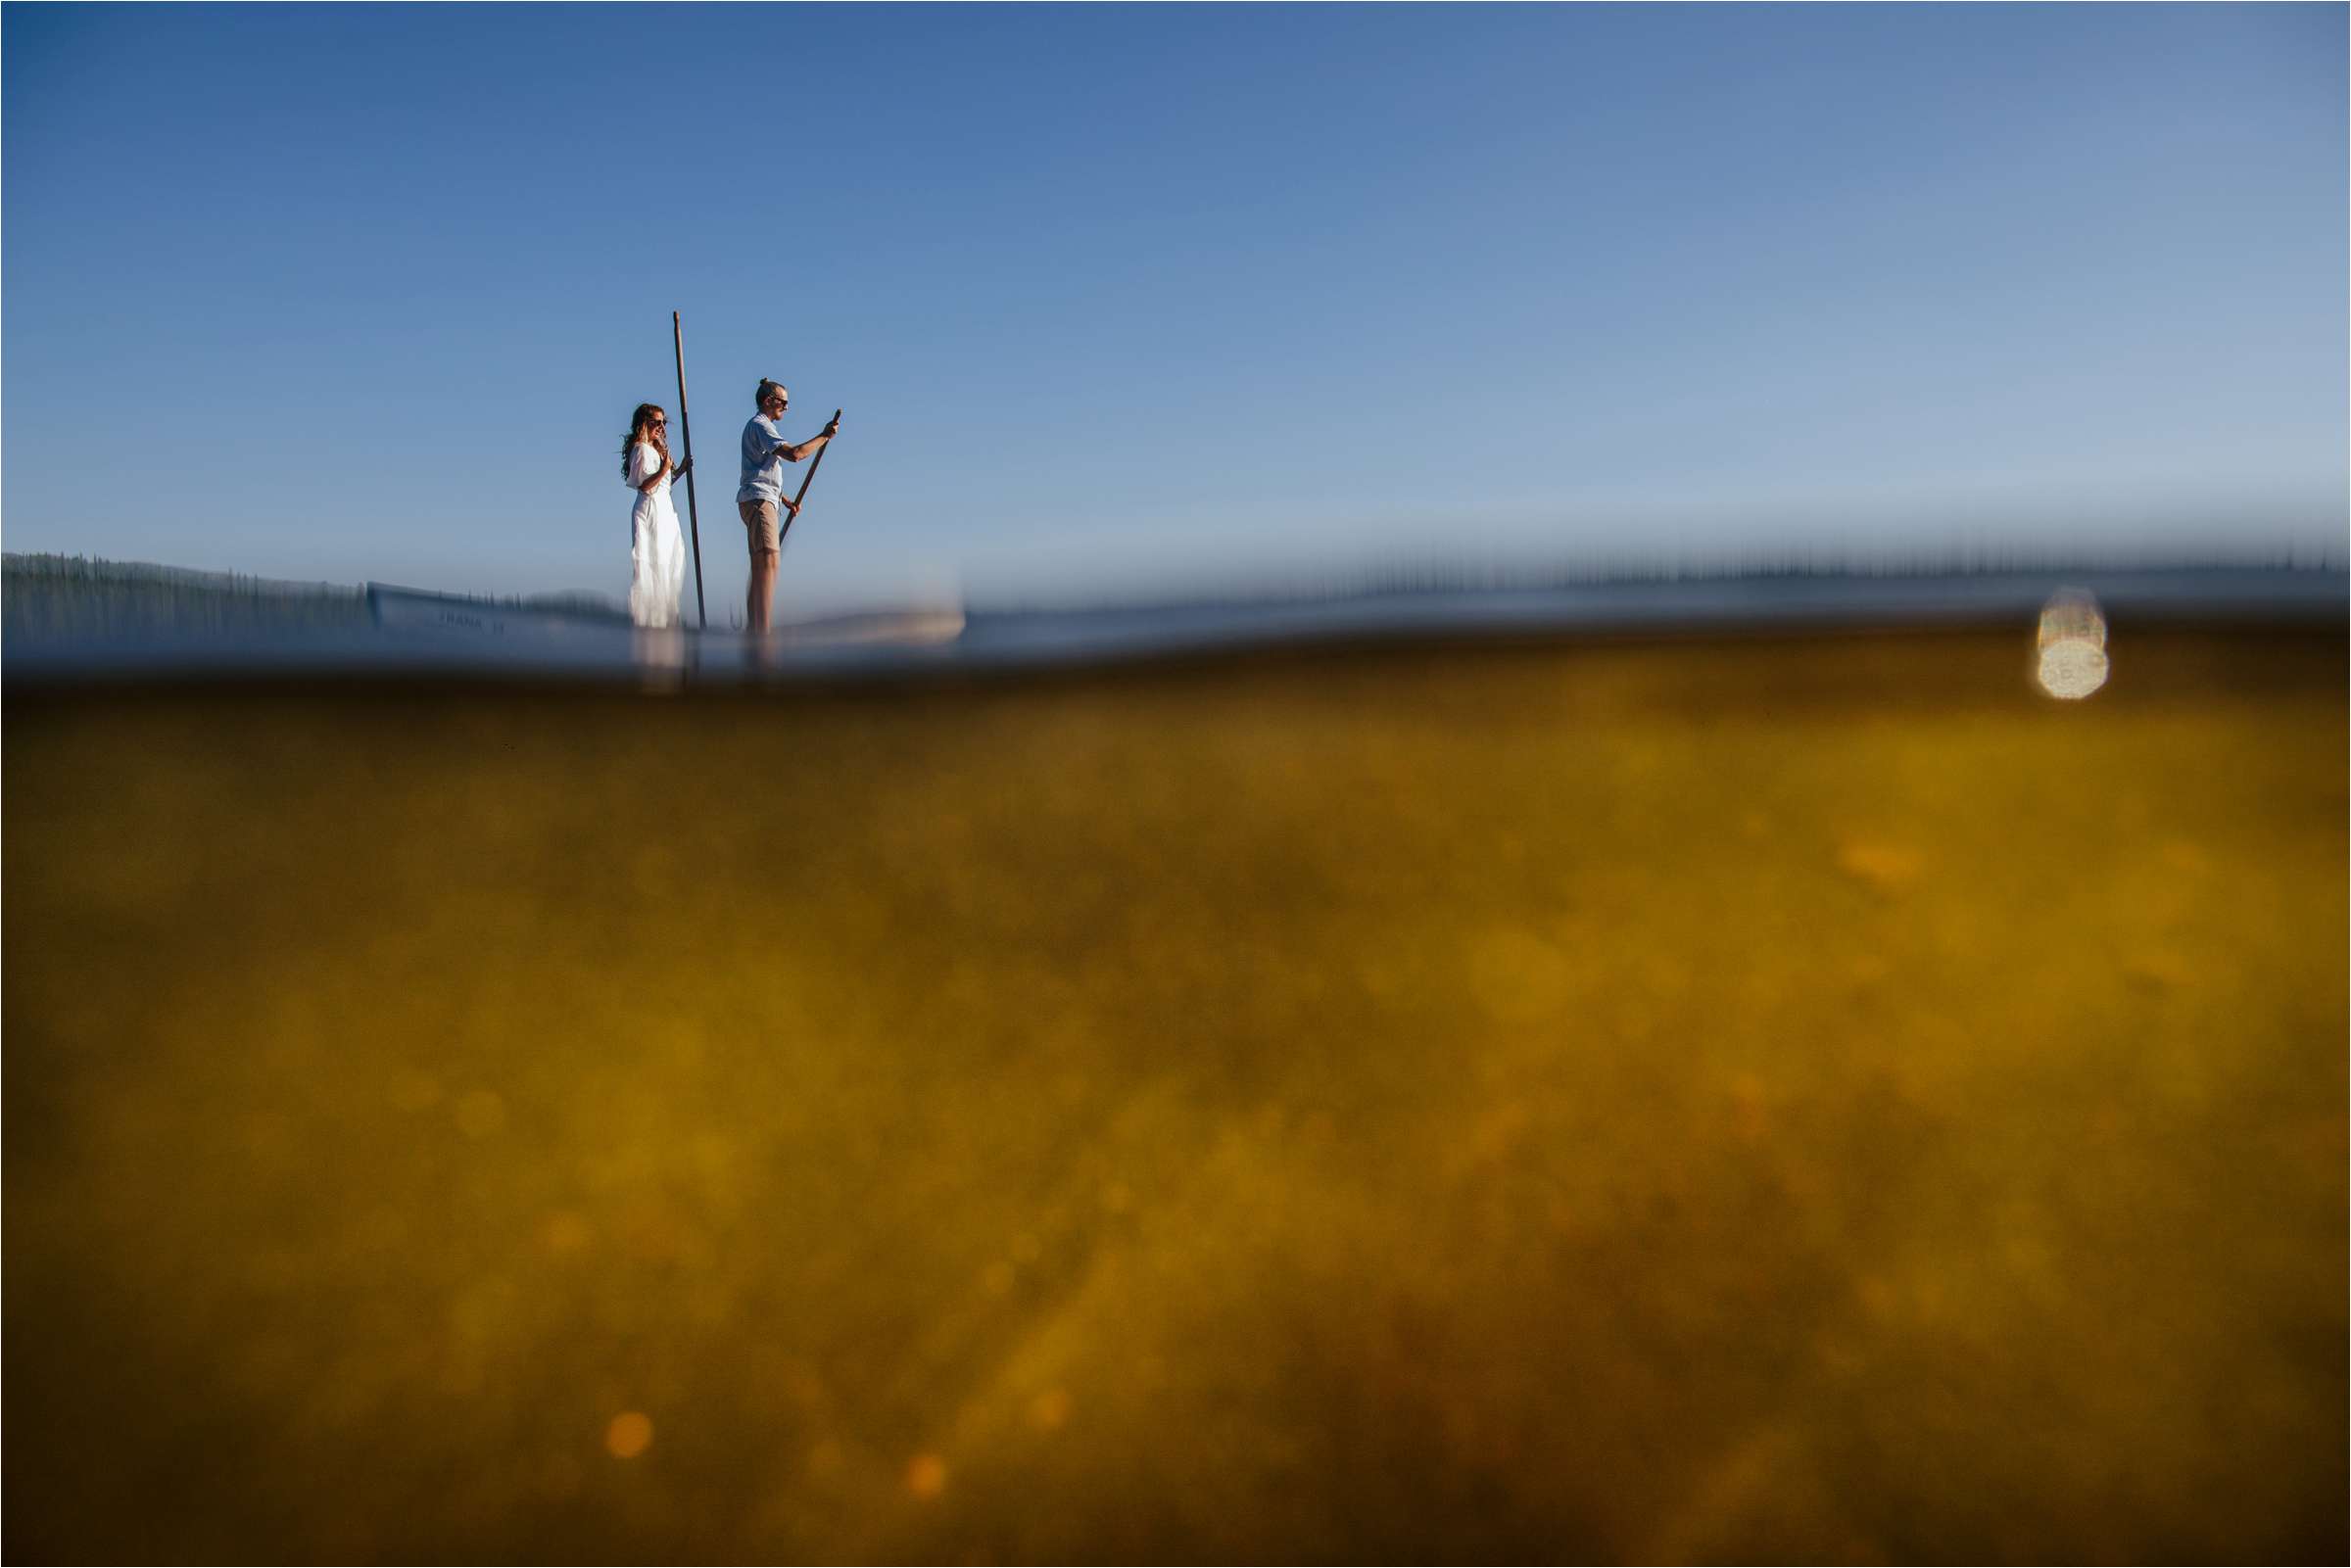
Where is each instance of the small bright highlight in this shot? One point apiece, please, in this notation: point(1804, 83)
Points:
point(2072, 645)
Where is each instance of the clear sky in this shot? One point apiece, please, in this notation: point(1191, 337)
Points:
point(1123, 294)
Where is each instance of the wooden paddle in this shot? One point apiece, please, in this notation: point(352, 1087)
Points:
point(814, 463)
point(677, 329)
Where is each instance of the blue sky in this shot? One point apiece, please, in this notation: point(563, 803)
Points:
point(1123, 294)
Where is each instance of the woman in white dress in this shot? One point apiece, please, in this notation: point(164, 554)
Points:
point(656, 549)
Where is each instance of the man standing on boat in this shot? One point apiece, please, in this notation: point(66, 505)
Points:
point(762, 499)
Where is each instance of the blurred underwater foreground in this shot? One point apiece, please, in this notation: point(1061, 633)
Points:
point(1806, 1096)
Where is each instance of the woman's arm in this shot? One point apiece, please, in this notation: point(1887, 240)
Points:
point(652, 481)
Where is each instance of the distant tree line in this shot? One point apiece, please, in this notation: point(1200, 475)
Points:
point(48, 596)
point(1430, 575)
point(74, 597)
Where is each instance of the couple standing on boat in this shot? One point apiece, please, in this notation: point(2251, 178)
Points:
point(658, 550)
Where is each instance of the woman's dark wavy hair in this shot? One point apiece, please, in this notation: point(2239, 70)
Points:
point(659, 440)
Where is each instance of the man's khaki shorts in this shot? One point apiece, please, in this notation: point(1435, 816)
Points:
point(759, 526)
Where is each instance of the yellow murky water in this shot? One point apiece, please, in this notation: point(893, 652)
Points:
point(1782, 1099)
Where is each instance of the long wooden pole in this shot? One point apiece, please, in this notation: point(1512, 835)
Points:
point(677, 328)
point(814, 463)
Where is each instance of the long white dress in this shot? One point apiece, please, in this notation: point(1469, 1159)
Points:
point(657, 549)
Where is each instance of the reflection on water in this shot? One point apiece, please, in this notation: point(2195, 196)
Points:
point(660, 657)
point(1635, 1100)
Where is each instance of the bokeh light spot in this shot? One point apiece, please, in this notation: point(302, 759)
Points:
point(926, 1475)
point(1877, 863)
point(630, 1435)
point(2072, 670)
point(481, 1114)
point(564, 1232)
point(2072, 645)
